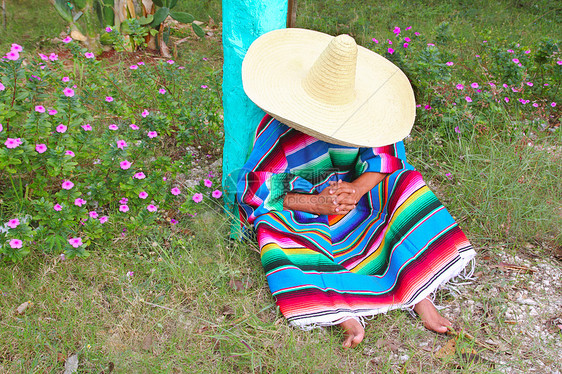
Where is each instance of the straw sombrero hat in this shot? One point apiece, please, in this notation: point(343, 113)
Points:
point(329, 87)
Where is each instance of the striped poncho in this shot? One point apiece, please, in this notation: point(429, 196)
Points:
point(395, 248)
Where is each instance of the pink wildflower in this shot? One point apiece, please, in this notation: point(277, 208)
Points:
point(123, 208)
point(43, 57)
point(458, 130)
point(53, 57)
point(123, 201)
point(430, 45)
point(390, 50)
point(145, 113)
point(553, 104)
point(171, 62)
point(152, 134)
point(89, 55)
point(87, 127)
point(67, 40)
point(121, 144)
point(69, 153)
point(113, 127)
point(535, 105)
point(207, 183)
point(530, 84)
point(506, 99)
point(57, 207)
point(93, 214)
point(449, 63)
point(125, 165)
point(376, 41)
point(396, 30)
point(143, 195)
point(468, 99)
point(52, 112)
point(216, 194)
point(449, 176)
point(151, 208)
point(75, 242)
point(459, 86)
point(474, 85)
point(139, 175)
point(417, 33)
point(133, 67)
point(16, 243)
point(198, 197)
point(13, 223)
point(133, 126)
point(68, 92)
point(108, 99)
point(407, 40)
point(67, 185)
point(79, 202)
point(61, 128)
point(515, 60)
point(2, 87)
point(12, 143)
point(130, 273)
point(174, 221)
point(175, 191)
point(104, 219)
point(40, 109)
point(162, 91)
point(108, 29)
point(204, 86)
point(16, 48)
point(405, 45)
point(12, 55)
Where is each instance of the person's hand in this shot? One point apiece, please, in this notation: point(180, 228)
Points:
point(334, 199)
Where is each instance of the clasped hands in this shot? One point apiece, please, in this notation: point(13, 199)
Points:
point(338, 198)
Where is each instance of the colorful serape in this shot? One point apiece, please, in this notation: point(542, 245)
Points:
point(395, 248)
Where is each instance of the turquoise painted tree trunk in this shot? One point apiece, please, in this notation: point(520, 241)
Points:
point(243, 22)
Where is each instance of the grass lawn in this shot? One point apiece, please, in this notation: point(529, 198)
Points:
point(184, 298)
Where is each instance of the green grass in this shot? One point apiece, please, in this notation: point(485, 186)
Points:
point(179, 312)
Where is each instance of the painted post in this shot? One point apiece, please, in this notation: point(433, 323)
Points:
point(243, 21)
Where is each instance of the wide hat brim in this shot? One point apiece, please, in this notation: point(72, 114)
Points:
point(381, 113)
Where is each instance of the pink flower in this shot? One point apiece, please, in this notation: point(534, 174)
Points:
point(13, 223)
point(103, 219)
point(130, 273)
point(145, 113)
point(139, 175)
point(390, 50)
point(125, 164)
point(67, 185)
point(207, 183)
point(16, 48)
point(61, 128)
point(69, 153)
point(216, 194)
point(407, 40)
point(527, 52)
point(510, 51)
point(133, 67)
point(170, 62)
point(152, 134)
point(389, 41)
point(396, 30)
point(162, 91)
point(16, 243)
point(405, 45)
point(52, 112)
point(459, 86)
point(198, 197)
point(468, 99)
point(43, 57)
point(79, 202)
point(53, 57)
point(12, 55)
point(151, 208)
point(457, 130)
point(2, 87)
point(515, 60)
point(40, 108)
point(174, 221)
point(12, 143)
point(140, 63)
point(93, 214)
point(133, 126)
point(108, 99)
point(474, 85)
point(68, 92)
point(506, 99)
point(376, 41)
point(449, 176)
point(175, 191)
point(123, 201)
point(530, 84)
point(113, 127)
point(123, 208)
point(57, 207)
point(143, 195)
point(417, 33)
point(87, 127)
point(450, 63)
point(89, 55)
point(67, 40)
point(427, 107)
point(553, 104)
point(535, 105)
point(75, 242)
point(430, 45)
point(121, 144)
point(108, 29)
point(204, 86)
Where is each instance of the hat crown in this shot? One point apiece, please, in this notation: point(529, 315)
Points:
point(331, 78)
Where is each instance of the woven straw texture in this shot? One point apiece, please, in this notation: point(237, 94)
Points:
point(329, 87)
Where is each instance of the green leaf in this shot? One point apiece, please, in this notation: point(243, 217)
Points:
point(80, 4)
point(160, 16)
point(77, 16)
point(63, 9)
point(146, 20)
point(172, 3)
point(182, 17)
point(198, 30)
point(158, 2)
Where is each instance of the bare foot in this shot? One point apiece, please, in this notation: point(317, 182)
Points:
point(353, 332)
point(430, 316)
